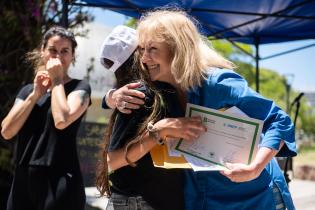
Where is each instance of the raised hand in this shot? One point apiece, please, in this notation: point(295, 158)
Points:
point(42, 83)
point(55, 70)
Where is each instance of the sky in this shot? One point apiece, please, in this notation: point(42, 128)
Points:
point(298, 66)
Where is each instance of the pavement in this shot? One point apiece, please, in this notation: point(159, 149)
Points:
point(94, 200)
point(303, 194)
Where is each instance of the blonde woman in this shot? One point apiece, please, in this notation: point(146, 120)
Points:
point(173, 51)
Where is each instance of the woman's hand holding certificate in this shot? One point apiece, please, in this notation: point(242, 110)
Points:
point(238, 172)
point(230, 138)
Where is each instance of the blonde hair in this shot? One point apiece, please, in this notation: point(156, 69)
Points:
point(192, 54)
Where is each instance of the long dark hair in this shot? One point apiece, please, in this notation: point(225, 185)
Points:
point(130, 71)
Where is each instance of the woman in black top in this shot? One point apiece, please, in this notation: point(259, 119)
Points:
point(134, 181)
point(46, 116)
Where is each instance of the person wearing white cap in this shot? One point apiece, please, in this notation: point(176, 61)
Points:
point(127, 165)
point(116, 49)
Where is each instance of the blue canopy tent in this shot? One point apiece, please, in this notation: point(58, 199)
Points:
point(247, 21)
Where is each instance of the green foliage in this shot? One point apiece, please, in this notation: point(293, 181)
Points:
point(5, 159)
point(307, 149)
point(223, 47)
point(272, 87)
point(231, 50)
point(131, 22)
point(247, 71)
point(307, 119)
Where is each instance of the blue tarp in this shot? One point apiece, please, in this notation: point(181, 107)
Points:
point(247, 21)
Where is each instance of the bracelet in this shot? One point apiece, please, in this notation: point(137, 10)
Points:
point(108, 94)
point(154, 133)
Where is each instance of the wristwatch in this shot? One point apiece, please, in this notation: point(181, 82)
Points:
point(155, 134)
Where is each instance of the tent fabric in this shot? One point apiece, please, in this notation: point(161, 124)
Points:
point(247, 21)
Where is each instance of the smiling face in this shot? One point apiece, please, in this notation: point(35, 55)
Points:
point(58, 47)
point(157, 59)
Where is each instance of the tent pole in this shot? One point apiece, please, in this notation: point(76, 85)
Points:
point(65, 11)
point(257, 63)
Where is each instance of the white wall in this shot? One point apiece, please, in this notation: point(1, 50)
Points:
point(88, 47)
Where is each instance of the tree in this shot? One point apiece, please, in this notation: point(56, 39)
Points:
point(22, 25)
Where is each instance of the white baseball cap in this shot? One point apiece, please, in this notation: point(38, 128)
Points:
point(118, 46)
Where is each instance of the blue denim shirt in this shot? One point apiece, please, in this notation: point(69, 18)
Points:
point(210, 189)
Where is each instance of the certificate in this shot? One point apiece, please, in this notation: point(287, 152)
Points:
point(230, 137)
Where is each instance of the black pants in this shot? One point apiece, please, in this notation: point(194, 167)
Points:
point(42, 188)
